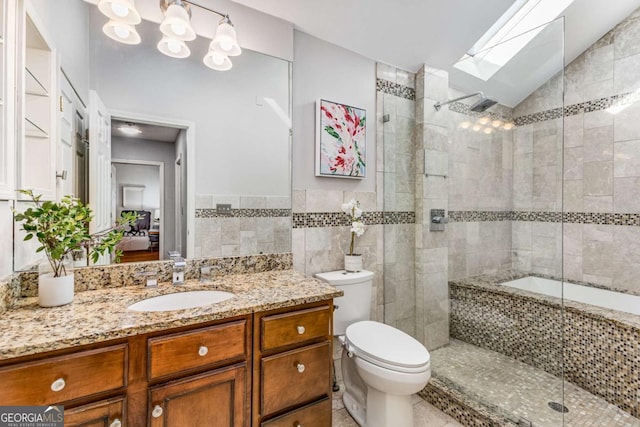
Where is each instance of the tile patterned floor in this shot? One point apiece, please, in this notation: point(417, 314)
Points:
point(424, 414)
point(518, 390)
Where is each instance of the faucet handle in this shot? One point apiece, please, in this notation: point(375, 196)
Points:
point(150, 277)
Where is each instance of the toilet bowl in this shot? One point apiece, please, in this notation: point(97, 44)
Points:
point(392, 365)
point(381, 366)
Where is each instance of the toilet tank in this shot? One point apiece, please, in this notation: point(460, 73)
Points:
point(355, 305)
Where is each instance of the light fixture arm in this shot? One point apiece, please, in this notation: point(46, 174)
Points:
point(164, 4)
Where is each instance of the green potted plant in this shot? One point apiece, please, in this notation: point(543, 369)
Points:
point(61, 228)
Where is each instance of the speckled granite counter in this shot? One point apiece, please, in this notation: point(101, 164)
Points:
point(101, 315)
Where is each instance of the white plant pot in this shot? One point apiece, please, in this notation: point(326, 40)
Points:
point(353, 263)
point(55, 291)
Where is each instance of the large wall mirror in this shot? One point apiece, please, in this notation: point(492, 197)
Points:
point(177, 139)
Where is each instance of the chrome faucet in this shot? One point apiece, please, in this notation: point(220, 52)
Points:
point(179, 265)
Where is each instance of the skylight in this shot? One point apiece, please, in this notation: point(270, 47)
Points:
point(520, 24)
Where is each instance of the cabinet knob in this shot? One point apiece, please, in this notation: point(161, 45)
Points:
point(300, 367)
point(58, 384)
point(116, 423)
point(157, 411)
point(301, 330)
point(203, 350)
point(297, 424)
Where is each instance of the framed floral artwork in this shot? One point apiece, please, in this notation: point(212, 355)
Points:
point(341, 140)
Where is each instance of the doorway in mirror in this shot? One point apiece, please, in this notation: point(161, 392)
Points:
point(147, 159)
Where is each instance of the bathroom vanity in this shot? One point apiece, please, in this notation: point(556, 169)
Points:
point(262, 358)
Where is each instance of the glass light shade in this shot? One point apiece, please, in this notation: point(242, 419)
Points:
point(477, 127)
point(483, 120)
point(120, 10)
point(487, 130)
point(217, 61)
point(508, 126)
point(173, 48)
point(496, 123)
point(226, 40)
point(121, 32)
point(177, 24)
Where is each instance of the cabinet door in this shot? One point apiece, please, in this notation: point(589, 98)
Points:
point(214, 399)
point(106, 413)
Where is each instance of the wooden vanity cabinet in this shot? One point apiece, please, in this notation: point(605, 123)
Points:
point(292, 366)
point(270, 369)
point(200, 377)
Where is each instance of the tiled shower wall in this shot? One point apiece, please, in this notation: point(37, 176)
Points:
point(601, 174)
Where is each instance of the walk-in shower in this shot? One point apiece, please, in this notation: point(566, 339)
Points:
point(538, 185)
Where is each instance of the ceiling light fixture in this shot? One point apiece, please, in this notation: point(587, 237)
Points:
point(217, 61)
point(226, 40)
point(174, 48)
point(129, 129)
point(120, 10)
point(121, 32)
point(176, 29)
point(508, 126)
point(177, 21)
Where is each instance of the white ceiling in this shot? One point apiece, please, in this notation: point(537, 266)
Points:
point(409, 33)
point(149, 132)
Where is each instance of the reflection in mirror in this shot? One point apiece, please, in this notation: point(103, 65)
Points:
point(232, 144)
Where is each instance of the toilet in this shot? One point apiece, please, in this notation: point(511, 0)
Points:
point(382, 367)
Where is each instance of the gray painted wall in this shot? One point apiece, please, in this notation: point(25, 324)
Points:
point(323, 70)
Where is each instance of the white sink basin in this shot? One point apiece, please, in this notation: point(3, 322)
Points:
point(181, 301)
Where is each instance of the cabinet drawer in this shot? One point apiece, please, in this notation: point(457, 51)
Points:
point(184, 351)
point(73, 376)
point(295, 377)
point(105, 413)
point(315, 415)
point(295, 327)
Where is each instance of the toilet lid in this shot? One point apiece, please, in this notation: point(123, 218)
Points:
point(382, 343)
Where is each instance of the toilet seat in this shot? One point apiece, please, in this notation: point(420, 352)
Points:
point(387, 347)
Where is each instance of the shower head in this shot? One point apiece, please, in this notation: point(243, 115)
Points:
point(481, 105)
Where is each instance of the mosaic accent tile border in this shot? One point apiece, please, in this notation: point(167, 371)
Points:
point(462, 108)
point(581, 107)
point(244, 213)
point(340, 219)
point(392, 88)
point(632, 219)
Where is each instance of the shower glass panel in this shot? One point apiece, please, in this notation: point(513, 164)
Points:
point(492, 165)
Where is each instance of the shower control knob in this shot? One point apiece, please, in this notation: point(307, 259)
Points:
point(300, 367)
point(301, 330)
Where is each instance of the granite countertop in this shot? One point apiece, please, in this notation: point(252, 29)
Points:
point(102, 315)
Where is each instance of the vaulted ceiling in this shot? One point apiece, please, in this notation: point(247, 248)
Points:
point(409, 33)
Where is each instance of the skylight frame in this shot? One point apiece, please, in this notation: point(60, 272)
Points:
point(511, 33)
